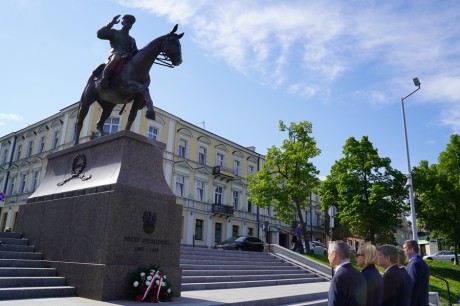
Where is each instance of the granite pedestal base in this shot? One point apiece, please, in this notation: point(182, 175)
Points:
point(97, 231)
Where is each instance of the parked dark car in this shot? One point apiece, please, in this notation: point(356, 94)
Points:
point(245, 243)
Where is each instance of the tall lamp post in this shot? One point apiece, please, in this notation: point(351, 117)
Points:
point(409, 171)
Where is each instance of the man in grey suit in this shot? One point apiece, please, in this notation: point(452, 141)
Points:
point(419, 273)
point(348, 287)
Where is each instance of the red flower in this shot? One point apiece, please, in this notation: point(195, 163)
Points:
point(143, 289)
point(154, 299)
point(139, 297)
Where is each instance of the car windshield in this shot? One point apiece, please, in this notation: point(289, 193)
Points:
point(240, 239)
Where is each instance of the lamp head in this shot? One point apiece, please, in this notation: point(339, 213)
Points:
point(416, 82)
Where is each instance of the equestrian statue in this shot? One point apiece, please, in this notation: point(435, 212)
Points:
point(124, 78)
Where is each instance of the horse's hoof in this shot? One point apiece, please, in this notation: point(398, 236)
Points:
point(150, 115)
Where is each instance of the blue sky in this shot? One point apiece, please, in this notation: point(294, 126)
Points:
point(342, 65)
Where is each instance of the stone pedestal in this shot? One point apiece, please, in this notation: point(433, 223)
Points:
point(103, 210)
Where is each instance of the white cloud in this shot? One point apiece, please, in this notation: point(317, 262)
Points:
point(307, 47)
point(8, 117)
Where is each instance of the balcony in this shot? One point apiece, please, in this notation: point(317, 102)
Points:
point(223, 173)
point(222, 210)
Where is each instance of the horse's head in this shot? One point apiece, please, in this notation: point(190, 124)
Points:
point(172, 48)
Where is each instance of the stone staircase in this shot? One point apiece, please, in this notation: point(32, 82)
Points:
point(206, 269)
point(24, 274)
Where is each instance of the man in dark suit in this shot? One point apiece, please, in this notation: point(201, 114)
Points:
point(419, 273)
point(394, 278)
point(348, 287)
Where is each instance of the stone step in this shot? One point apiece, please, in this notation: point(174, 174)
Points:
point(11, 282)
point(229, 257)
point(247, 284)
point(237, 266)
point(224, 253)
point(219, 262)
point(14, 241)
point(20, 255)
point(10, 235)
point(16, 248)
point(36, 292)
point(237, 278)
point(14, 271)
point(23, 263)
point(241, 272)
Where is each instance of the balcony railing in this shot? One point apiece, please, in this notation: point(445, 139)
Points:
point(224, 173)
point(222, 210)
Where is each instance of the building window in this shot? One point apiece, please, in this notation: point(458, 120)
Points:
point(236, 199)
point(199, 229)
point(111, 125)
point(180, 185)
point(55, 139)
point(249, 206)
point(318, 219)
point(220, 159)
point(182, 150)
point(237, 167)
point(250, 231)
point(202, 155)
point(35, 180)
point(11, 186)
point(29, 148)
point(153, 133)
point(235, 230)
point(250, 169)
point(42, 144)
point(218, 194)
point(199, 190)
point(4, 156)
point(218, 232)
point(22, 187)
point(18, 152)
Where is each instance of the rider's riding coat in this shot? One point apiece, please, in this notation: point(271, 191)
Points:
point(121, 42)
point(122, 47)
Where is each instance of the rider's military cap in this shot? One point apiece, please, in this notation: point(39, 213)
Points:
point(130, 18)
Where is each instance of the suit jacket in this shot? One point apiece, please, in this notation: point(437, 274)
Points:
point(395, 280)
point(407, 287)
point(419, 273)
point(348, 288)
point(374, 285)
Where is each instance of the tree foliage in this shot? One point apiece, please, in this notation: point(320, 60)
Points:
point(437, 188)
point(367, 192)
point(287, 176)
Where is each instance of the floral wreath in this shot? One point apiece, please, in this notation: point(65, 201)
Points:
point(150, 284)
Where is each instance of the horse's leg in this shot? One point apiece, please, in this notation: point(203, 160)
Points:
point(107, 109)
point(133, 113)
point(87, 98)
point(150, 113)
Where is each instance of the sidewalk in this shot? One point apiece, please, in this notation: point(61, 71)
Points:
point(271, 295)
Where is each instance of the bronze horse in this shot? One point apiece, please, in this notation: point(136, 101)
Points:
point(130, 84)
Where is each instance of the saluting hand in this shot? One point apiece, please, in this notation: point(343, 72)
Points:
point(116, 19)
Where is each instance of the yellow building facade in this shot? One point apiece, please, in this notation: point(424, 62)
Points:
point(205, 171)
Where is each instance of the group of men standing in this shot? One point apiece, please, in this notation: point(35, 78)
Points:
point(400, 287)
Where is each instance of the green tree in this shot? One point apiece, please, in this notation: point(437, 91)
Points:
point(437, 188)
point(287, 176)
point(367, 192)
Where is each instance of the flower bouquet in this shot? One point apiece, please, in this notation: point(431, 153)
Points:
point(150, 285)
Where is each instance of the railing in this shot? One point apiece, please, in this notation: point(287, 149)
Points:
point(448, 290)
point(222, 210)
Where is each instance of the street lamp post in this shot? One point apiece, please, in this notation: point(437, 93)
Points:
point(409, 171)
